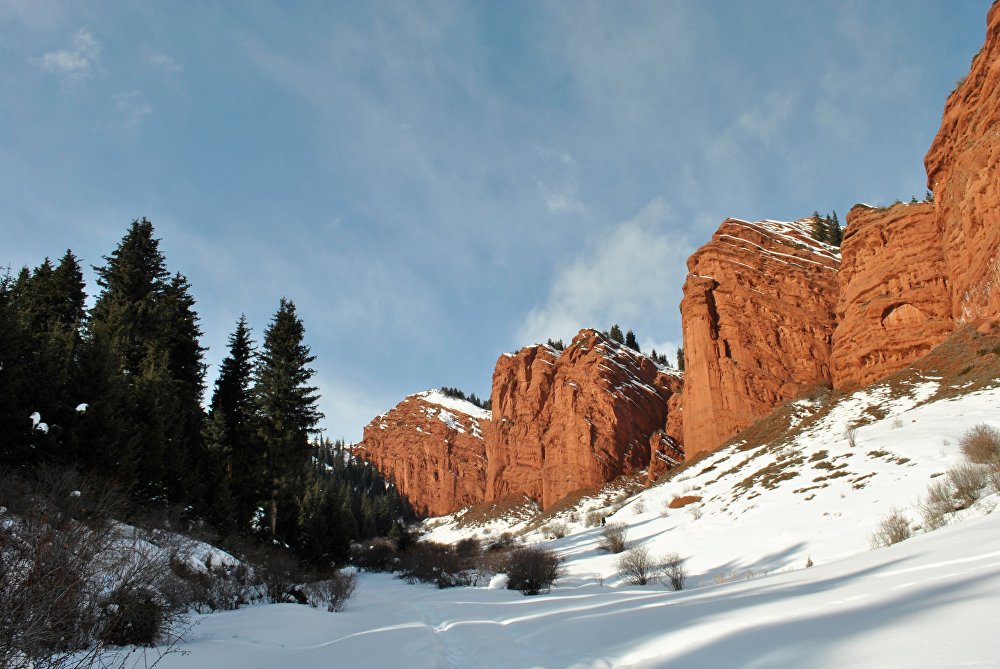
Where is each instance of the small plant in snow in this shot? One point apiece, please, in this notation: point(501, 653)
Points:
point(637, 566)
point(532, 570)
point(966, 481)
point(852, 437)
point(674, 571)
point(897, 423)
point(936, 505)
point(613, 537)
point(981, 444)
point(554, 531)
point(639, 507)
point(894, 528)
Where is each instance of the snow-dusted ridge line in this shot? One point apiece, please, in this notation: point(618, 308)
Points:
point(438, 398)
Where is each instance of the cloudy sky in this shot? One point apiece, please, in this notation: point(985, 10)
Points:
point(434, 183)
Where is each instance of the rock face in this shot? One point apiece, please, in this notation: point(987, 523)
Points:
point(572, 419)
point(758, 316)
point(894, 303)
point(962, 172)
point(432, 445)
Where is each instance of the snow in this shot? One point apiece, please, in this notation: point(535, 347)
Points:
point(453, 404)
point(765, 512)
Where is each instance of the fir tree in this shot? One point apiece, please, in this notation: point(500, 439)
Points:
point(616, 334)
point(288, 412)
point(680, 358)
point(631, 341)
point(836, 232)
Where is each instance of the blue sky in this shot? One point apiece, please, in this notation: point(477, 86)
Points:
point(434, 183)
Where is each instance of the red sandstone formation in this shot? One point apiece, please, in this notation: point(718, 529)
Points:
point(962, 167)
point(665, 446)
point(433, 446)
point(894, 302)
point(572, 419)
point(758, 317)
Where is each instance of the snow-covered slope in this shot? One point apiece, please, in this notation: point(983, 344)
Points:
point(766, 508)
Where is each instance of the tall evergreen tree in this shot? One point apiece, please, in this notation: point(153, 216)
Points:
point(233, 441)
point(836, 232)
point(680, 358)
point(287, 411)
point(616, 334)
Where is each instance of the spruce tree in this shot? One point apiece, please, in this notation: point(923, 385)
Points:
point(616, 334)
point(232, 437)
point(287, 411)
point(836, 232)
point(631, 341)
point(680, 358)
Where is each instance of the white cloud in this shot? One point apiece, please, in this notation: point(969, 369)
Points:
point(132, 109)
point(632, 276)
point(78, 62)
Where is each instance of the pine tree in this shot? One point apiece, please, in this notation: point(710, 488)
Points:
point(836, 232)
point(631, 341)
point(287, 411)
point(232, 438)
point(680, 358)
point(616, 334)
point(819, 228)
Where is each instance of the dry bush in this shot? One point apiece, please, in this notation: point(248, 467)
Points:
point(674, 571)
point(993, 477)
point(594, 518)
point(894, 528)
point(503, 542)
point(554, 530)
point(637, 566)
point(440, 564)
point(613, 537)
point(639, 507)
point(852, 437)
point(936, 505)
point(966, 481)
point(532, 570)
point(375, 555)
point(333, 593)
point(981, 444)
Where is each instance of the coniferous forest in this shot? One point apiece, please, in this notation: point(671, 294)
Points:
point(117, 392)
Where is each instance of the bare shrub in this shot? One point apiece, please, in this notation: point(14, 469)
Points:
point(639, 507)
point(532, 570)
point(613, 537)
point(936, 505)
point(594, 518)
point(674, 571)
point(505, 541)
point(966, 481)
point(333, 593)
point(852, 436)
point(981, 444)
point(993, 476)
point(554, 530)
point(637, 566)
point(440, 564)
point(895, 527)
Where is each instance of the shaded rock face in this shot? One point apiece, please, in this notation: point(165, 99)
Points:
point(432, 445)
point(758, 316)
point(666, 446)
point(572, 419)
point(894, 303)
point(962, 172)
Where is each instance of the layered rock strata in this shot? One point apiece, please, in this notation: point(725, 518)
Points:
point(758, 316)
point(432, 445)
point(894, 304)
point(573, 419)
point(962, 168)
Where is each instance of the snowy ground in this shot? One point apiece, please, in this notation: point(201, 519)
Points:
point(931, 601)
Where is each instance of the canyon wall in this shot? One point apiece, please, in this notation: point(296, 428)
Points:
point(432, 445)
point(894, 304)
point(758, 316)
point(573, 419)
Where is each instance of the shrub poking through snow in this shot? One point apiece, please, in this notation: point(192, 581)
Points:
point(674, 571)
point(613, 537)
point(936, 505)
point(966, 481)
point(333, 593)
point(981, 444)
point(637, 566)
point(532, 570)
point(894, 528)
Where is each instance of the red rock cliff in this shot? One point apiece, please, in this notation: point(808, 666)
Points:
point(962, 167)
point(758, 318)
point(433, 446)
point(894, 303)
point(572, 419)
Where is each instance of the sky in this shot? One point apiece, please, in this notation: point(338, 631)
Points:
point(436, 183)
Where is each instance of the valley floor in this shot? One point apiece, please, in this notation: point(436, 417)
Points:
point(931, 601)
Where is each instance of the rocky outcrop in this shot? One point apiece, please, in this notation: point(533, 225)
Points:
point(666, 449)
point(758, 318)
point(894, 304)
point(572, 419)
point(432, 445)
point(962, 172)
